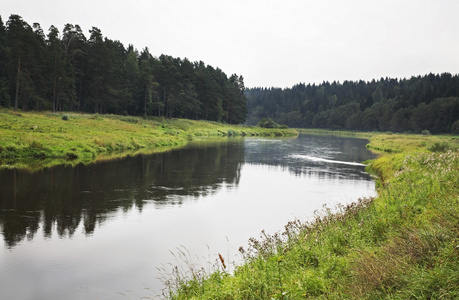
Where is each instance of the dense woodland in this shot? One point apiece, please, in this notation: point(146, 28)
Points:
point(427, 103)
point(66, 71)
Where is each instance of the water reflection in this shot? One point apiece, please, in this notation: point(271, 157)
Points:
point(309, 155)
point(64, 197)
point(102, 229)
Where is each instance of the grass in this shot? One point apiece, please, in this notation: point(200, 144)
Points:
point(403, 244)
point(33, 140)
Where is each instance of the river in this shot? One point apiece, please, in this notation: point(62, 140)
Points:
point(102, 231)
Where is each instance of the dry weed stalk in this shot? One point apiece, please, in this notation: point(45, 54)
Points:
point(222, 260)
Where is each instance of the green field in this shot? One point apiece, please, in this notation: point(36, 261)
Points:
point(33, 140)
point(403, 244)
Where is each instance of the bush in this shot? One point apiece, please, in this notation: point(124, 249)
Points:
point(232, 132)
point(439, 147)
point(269, 123)
point(425, 132)
point(65, 117)
point(71, 155)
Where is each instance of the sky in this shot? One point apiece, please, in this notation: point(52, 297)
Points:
point(273, 43)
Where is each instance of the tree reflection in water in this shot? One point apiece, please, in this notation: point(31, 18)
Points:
point(64, 197)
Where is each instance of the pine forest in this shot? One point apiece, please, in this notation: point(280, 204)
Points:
point(66, 71)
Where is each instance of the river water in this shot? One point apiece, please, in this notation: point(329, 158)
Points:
point(103, 230)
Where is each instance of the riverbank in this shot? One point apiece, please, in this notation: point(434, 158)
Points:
point(402, 244)
point(33, 140)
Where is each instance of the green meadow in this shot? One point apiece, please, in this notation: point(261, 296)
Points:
point(402, 244)
point(33, 140)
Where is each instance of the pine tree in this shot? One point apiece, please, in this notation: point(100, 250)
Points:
point(5, 98)
point(75, 46)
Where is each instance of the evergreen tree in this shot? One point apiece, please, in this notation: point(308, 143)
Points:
point(61, 73)
point(5, 99)
point(148, 86)
point(168, 77)
point(116, 86)
point(209, 92)
point(97, 68)
point(26, 63)
point(75, 46)
point(235, 100)
point(133, 77)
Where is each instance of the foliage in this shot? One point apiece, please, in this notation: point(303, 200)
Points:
point(69, 72)
point(427, 103)
point(440, 147)
point(401, 245)
point(268, 123)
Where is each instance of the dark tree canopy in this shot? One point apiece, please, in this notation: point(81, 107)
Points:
point(421, 103)
point(67, 71)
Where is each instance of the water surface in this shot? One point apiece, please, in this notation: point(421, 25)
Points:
point(101, 231)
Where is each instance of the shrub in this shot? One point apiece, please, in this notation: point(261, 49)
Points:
point(269, 123)
point(71, 155)
point(439, 147)
point(232, 132)
point(425, 132)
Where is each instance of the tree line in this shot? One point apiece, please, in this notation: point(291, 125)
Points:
point(65, 71)
point(427, 103)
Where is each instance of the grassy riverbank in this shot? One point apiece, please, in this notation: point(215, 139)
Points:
point(404, 244)
point(33, 140)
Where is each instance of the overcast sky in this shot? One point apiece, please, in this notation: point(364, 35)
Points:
point(273, 42)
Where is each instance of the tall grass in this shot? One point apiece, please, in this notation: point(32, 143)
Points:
point(403, 244)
